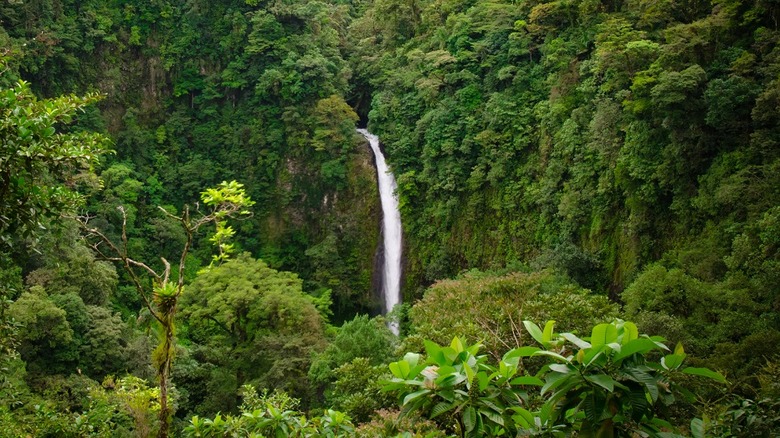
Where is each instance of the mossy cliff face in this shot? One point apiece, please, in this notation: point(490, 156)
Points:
point(595, 138)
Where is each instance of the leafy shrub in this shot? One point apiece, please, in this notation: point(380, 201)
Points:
point(272, 414)
point(357, 390)
point(490, 308)
point(603, 385)
point(392, 423)
point(360, 337)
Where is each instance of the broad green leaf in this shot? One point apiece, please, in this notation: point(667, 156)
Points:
point(442, 408)
point(450, 356)
point(551, 354)
point(594, 405)
point(456, 344)
point(705, 372)
point(672, 361)
point(435, 353)
point(647, 380)
point(697, 428)
point(603, 381)
point(483, 380)
point(450, 380)
point(561, 368)
point(548, 331)
point(400, 369)
point(470, 373)
point(640, 345)
point(469, 418)
point(565, 389)
point(493, 416)
point(603, 334)
point(639, 403)
point(554, 380)
point(593, 354)
point(411, 397)
point(534, 331)
point(630, 332)
point(523, 417)
point(576, 341)
point(521, 352)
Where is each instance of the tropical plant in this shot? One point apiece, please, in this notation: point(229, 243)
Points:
point(604, 385)
point(456, 385)
point(607, 385)
point(272, 415)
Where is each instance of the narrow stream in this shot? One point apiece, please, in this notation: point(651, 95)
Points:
point(391, 229)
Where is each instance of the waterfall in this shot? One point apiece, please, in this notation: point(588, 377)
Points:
point(391, 229)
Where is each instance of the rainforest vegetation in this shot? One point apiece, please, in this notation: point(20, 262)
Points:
point(189, 224)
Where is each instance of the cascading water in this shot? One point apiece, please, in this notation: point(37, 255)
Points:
point(391, 229)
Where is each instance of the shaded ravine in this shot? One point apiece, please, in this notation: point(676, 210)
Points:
point(391, 230)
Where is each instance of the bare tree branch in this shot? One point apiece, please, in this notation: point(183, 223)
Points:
point(121, 256)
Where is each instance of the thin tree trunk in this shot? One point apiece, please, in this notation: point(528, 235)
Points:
point(165, 370)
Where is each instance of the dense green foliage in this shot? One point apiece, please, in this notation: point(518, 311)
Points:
point(576, 160)
point(490, 308)
point(40, 165)
point(248, 324)
point(607, 388)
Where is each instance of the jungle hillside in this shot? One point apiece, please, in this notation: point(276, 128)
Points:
point(190, 225)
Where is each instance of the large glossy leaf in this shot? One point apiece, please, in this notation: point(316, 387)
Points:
point(457, 344)
point(640, 345)
point(442, 408)
point(672, 361)
point(648, 380)
point(523, 417)
point(469, 418)
point(697, 428)
point(400, 369)
point(493, 416)
point(566, 388)
point(483, 379)
point(603, 381)
point(594, 354)
point(534, 331)
point(705, 372)
point(435, 355)
point(637, 396)
point(594, 407)
point(630, 332)
point(520, 352)
point(603, 334)
point(561, 368)
point(548, 331)
point(576, 341)
point(415, 395)
point(554, 380)
point(470, 373)
point(551, 354)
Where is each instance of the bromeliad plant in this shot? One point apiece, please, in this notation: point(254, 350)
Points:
point(459, 388)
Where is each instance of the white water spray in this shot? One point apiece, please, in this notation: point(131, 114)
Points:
point(391, 229)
